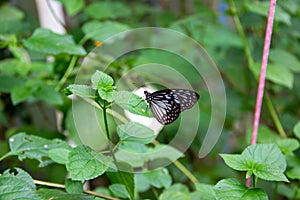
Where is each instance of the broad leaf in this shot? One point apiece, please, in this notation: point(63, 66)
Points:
point(59, 155)
point(263, 160)
point(34, 147)
point(132, 103)
point(119, 190)
point(19, 94)
point(86, 164)
point(135, 132)
point(107, 9)
point(17, 184)
point(48, 42)
point(104, 84)
point(284, 58)
point(73, 6)
point(297, 130)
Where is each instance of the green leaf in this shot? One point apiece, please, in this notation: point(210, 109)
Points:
point(124, 176)
point(102, 80)
point(82, 91)
point(284, 58)
point(104, 10)
point(159, 178)
point(20, 94)
point(263, 160)
point(74, 187)
point(229, 189)
point(34, 147)
point(119, 190)
point(104, 84)
point(73, 6)
point(132, 153)
point(207, 191)
point(262, 8)
point(167, 195)
point(11, 19)
point(8, 83)
point(135, 132)
point(49, 95)
point(294, 173)
point(59, 155)
point(287, 145)
point(100, 31)
point(48, 42)
point(86, 164)
point(255, 194)
point(47, 194)
point(296, 129)
point(132, 103)
point(17, 184)
point(277, 74)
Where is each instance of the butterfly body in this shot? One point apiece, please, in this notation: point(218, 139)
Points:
point(167, 104)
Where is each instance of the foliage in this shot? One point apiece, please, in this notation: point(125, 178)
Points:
point(40, 75)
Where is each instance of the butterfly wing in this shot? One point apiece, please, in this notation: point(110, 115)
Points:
point(163, 106)
point(186, 98)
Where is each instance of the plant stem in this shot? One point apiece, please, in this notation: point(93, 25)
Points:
point(186, 172)
point(67, 73)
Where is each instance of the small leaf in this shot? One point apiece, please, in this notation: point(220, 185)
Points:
point(47, 194)
point(124, 176)
point(237, 162)
point(167, 195)
point(86, 164)
point(74, 187)
point(82, 91)
point(297, 130)
point(119, 190)
point(159, 178)
point(48, 42)
point(277, 74)
point(287, 145)
point(102, 80)
point(19, 94)
point(284, 58)
point(100, 31)
point(34, 147)
point(135, 132)
point(104, 10)
point(294, 173)
point(59, 155)
point(73, 6)
point(132, 103)
point(17, 184)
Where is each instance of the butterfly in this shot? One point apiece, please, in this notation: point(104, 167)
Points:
point(167, 104)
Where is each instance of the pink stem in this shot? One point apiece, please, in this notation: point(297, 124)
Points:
point(262, 78)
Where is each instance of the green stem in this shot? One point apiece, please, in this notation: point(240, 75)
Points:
point(185, 171)
point(7, 155)
point(274, 116)
point(67, 73)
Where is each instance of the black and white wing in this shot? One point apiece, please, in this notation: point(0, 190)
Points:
point(186, 98)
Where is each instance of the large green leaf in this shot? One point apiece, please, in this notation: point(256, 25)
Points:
point(17, 184)
point(73, 6)
point(167, 195)
point(285, 59)
point(231, 189)
point(81, 91)
point(135, 132)
point(86, 164)
point(48, 42)
point(34, 147)
point(104, 84)
point(263, 160)
point(159, 178)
